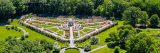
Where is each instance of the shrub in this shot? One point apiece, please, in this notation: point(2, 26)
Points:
point(87, 48)
point(116, 49)
point(94, 40)
point(22, 37)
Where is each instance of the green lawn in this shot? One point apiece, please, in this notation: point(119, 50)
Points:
point(86, 30)
point(33, 35)
point(60, 32)
point(54, 29)
point(81, 33)
point(109, 50)
point(72, 51)
point(45, 26)
point(4, 33)
point(150, 31)
point(102, 36)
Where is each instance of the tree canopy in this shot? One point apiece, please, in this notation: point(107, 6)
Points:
point(108, 8)
point(142, 43)
point(154, 20)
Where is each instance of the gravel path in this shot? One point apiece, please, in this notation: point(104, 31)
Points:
point(97, 48)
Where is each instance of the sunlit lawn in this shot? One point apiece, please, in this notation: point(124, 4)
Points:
point(108, 50)
point(102, 36)
point(4, 33)
point(151, 31)
point(86, 30)
point(33, 35)
point(72, 51)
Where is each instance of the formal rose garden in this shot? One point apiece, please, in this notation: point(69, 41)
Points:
point(58, 28)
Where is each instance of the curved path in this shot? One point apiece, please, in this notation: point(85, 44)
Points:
point(63, 50)
point(24, 31)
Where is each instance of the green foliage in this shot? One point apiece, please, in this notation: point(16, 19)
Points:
point(119, 38)
point(84, 7)
point(131, 14)
point(143, 18)
point(56, 47)
point(142, 43)
point(17, 46)
point(20, 5)
point(108, 8)
point(94, 40)
point(154, 20)
point(87, 48)
point(6, 8)
point(120, 6)
point(117, 49)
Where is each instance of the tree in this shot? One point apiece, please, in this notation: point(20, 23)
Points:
point(143, 18)
point(56, 47)
point(87, 48)
point(108, 8)
point(116, 50)
point(122, 34)
point(84, 7)
point(131, 15)
point(119, 7)
point(141, 43)
point(22, 37)
point(97, 3)
point(20, 6)
point(154, 20)
point(94, 40)
point(16, 46)
point(6, 8)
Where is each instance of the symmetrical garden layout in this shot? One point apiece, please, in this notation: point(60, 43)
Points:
point(66, 29)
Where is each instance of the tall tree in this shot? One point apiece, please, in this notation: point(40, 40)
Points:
point(131, 15)
point(20, 6)
point(141, 43)
point(120, 6)
point(97, 3)
point(6, 8)
point(119, 38)
point(154, 20)
point(84, 7)
point(143, 18)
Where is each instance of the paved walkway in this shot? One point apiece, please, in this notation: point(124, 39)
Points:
point(63, 50)
point(150, 29)
point(97, 48)
point(82, 50)
point(71, 39)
